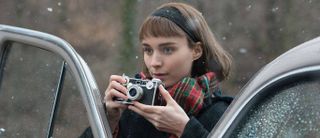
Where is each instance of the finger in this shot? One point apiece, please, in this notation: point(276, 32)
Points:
point(149, 116)
point(137, 110)
point(114, 105)
point(114, 93)
point(152, 118)
point(116, 85)
point(144, 107)
point(118, 94)
point(115, 82)
point(117, 78)
point(165, 94)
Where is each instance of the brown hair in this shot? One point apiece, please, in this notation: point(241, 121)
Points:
point(214, 57)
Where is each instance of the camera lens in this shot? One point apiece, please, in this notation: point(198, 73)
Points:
point(133, 92)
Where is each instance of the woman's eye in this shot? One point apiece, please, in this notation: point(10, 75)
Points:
point(148, 51)
point(167, 50)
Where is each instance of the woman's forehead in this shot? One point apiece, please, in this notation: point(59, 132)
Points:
point(172, 39)
point(159, 27)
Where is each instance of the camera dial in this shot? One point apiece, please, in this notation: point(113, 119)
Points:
point(149, 85)
point(135, 92)
point(127, 80)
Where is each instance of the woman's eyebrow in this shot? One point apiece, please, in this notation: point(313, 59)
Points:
point(145, 44)
point(160, 45)
point(166, 44)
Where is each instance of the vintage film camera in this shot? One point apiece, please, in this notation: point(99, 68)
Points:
point(144, 91)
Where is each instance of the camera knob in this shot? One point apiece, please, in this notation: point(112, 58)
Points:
point(127, 79)
point(149, 85)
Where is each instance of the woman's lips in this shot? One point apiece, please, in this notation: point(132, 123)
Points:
point(159, 75)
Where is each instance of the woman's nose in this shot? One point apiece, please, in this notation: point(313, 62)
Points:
point(156, 60)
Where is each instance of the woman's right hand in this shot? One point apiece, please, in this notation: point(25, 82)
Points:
point(114, 90)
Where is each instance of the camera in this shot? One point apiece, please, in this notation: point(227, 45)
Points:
point(144, 91)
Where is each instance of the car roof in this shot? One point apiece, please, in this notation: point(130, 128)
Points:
point(304, 55)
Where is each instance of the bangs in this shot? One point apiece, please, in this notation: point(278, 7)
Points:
point(159, 27)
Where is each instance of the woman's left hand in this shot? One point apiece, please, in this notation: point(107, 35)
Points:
point(170, 118)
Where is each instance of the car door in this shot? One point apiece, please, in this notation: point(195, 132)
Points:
point(282, 99)
point(46, 89)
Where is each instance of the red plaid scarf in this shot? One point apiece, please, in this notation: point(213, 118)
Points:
point(190, 93)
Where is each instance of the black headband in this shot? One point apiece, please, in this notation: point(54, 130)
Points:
point(175, 16)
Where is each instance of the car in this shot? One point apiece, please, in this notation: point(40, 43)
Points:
point(281, 100)
point(48, 90)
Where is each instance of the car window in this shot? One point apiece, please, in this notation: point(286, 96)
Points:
point(38, 95)
point(289, 110)
point(28, 83)
point(71, 116)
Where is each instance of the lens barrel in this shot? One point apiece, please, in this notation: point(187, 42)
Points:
point(135, 92)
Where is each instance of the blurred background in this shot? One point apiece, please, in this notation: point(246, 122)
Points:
point(104, 32)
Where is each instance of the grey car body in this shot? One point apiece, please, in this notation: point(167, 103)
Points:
point(298, 66)
point(260, 96)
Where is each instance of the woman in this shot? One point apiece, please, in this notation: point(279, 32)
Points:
point(180, 50)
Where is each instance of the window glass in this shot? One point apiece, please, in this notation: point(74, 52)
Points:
point(292, 112)
point(27, 89)
point(71, 118)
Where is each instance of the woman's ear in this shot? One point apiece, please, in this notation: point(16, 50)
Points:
point(197, 51)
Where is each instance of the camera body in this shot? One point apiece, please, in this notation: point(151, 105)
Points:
point(144, 91)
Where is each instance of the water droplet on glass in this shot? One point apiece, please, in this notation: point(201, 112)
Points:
point(21, 59)
point(137, 57)
point(49, 9)
point(230, 23)
point(59, 3)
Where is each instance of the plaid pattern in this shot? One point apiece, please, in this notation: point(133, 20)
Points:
point(190, 93)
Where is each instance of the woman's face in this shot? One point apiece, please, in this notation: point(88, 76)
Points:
point(168, 58)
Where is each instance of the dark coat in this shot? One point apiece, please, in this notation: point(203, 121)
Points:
point(133, 125)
